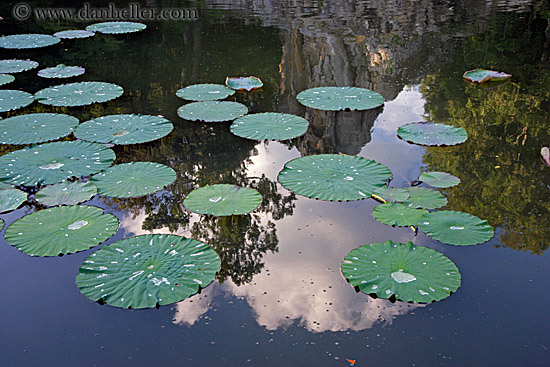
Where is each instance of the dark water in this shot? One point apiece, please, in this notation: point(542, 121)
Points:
point(280, 299)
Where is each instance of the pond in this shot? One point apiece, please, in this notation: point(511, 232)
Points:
point(280, 297)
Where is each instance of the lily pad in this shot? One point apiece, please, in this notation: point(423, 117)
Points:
point(78, 94)
point(428, 133)
point(54, 162)
point(133, 179)
point(61, 71)
point(482, 75)
point(61, 230)
point(66, 193)
point(14, 99)
point(246, 83)
point(334, 177)
point(222, 200)
point(211, 111)
point(423, 197)
point(1, 224)
point(439, 179)
point(398, 214)
point(116, 27)
point(411, 273)
point(147, 271)
point(270, 126)
point(340, 98)
point(204, 92)
point(124, 129)
point(22, 41)
point(72, 34)
point(456, 228)
point(36, 128)
point(10, 199)
point(391, 194)
point(6, 79)
point(13, 66)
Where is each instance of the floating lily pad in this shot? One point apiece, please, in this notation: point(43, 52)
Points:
point(205, 92)
point(66, 193)
point(14, 99)
point(246, 83)
point(411, 273)
point(54, 162)
point(481, 75)
point(124, 129)
point(334, 177)
point(439, 179)
point(391, 194)
point(61, 71)
point(78, 94)
point(10, 199)
point(72, 34)
point(340, 98)
point(6, 79)
point(456, 228)
point(398, 214)
point(428, 133)
point(61, 230)
point(21, 41)
point(36, 128)
point(116, 27)
point(13, 66)
point(270, 126)
point(222, 200)
point(133, 179)
point(1, 224)
point(211, 111)
point(422, 197)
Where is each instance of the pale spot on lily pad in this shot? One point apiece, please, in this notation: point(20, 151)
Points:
point(77, 225)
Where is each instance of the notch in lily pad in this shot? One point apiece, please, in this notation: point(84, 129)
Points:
point(483, 75)
point(246, 83)
point(223, 200)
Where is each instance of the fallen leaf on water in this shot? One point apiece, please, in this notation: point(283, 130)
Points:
point(351, 361)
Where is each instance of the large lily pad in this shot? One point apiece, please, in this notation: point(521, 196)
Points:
point(13, 66)
point(270, 126)
point(391, 194)
point(133, 179)
point(428, 133)
point(147, 271)
point(211, 111)
point(22, 41)
point(334, 177)
point(61, 71)
point(439, 179)
point(340, 98)
point(72, 34)
point(78, 94)
point(124, 129)
point(116, 27)
point(456, 228)
point(10, 199)
point(423, 197)
point(66, 193)
point(222, 200)
point(36, 128)
point(54, 162)
point(482, 75)
point(6, 79)
point(411, 273)
point(14, 99)
point(246, 83)
point(61, 230)
point(398, 214)
point(204, 92)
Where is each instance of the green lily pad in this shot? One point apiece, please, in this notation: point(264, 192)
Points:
point(36, 128)
point(147, 271)
point(391, 194)
point(422, 197)
point(481, 75)
point(54, 162)
point(13, 66)
point(334, 177)
point(456, 228)
point(78, 94)
point(340, 98)
point(124, 129)
point(411, 273)
point(72, 34)
point(205, 92)
point(211, 111)
point(10, 199)
point(61, 71)
point(398, 214)
point(222, 200)
point(439, 179)
point(61, 230)
point(246, 83)
point(116, 27)
point(133, 179)
point(1, 224)
point(6, 79)
point(14, 99)
point(22, 41)
point(428, 133)
point(66, 193)
point(270, 126)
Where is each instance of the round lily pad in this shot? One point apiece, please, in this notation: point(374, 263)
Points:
point(222, 200)
point(211, 111)
point(246, 83)
point(13, 66)
point(270, 126)
point(428, 133)
point(6, 79)
point(334, 177)
point(456, 228)
point(205, 92)
point(439, 179)
point(54, 162)
point(21, 41)
point(61, 71)
point(398, 214)
point(422, 197)
point(116, 27)
point(411, 273)
point(61, 230)
point(124, 129)
point(14, 99)
point(340, 98)
point(72, 34)
point(78, 94)
point(147, 271)
point(10, 199)
point(482, 75)
point(391, 194)
point(133, 179)
point(36, 128)
point(66, 193)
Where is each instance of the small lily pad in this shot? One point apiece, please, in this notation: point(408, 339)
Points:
point(423, 197)
point(36, 128)
point(78, 94)
point(482, 75)
point(270, 126)
point(246, 83)
point(116, 27)
point(398, 214)
point(391, 194)
point(22, 41)
point(211, 111)
point(6, 79)
point(61, 71)
point(14, 99)
point(13, 66)
point(73, 34)
point(439, 179)
point(340, 98)
point(456, 228)
point(66, 193)
point(428, 133)
point(205, 92)
point(222, 200)
point(10, 199)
